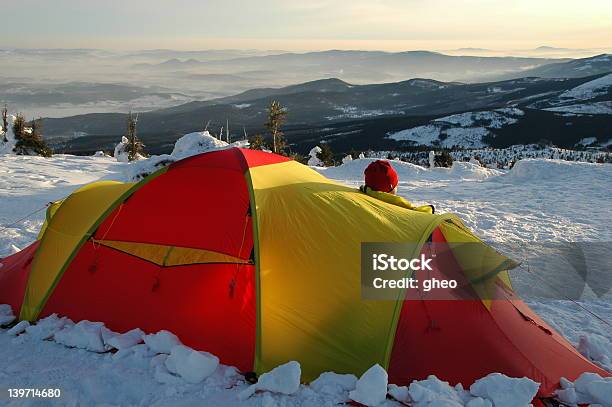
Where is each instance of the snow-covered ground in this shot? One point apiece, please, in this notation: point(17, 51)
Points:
point(538, 200)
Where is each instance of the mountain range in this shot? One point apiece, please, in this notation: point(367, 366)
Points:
point(363, 116)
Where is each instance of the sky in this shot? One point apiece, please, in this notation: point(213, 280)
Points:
point(304, 25)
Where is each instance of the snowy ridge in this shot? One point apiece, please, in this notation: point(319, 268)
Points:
point(504, 157)
point(584, 108)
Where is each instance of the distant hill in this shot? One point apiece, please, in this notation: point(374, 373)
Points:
point(364, 115)
point(575, 68)
point(363, 66)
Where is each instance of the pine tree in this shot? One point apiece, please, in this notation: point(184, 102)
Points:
point(326, 155)
point(4, 123)
point(29, 140)
point(444, 159)
point(19, 126)
point(276, 118)
point(257, 142)
point(134, 146)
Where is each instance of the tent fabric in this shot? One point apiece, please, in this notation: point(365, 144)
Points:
point(170, 255)
point(14, 272)
point(65, 231)
point(192, 301)
point(462, 341)
point(314, 306)
point(256, 258)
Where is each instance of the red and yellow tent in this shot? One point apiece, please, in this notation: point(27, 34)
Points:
point(256, 259)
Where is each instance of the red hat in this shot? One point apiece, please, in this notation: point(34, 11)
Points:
point(380, 176)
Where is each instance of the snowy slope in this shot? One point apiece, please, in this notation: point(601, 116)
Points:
point(589, 90)
point(468, 129)
point(541, 200)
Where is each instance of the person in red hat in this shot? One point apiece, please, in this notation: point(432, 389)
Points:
point(380, 176)
point(381, 183)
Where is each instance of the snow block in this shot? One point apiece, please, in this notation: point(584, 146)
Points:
point(505, 391)
point(162, 342)
point(193, 366)
point(18, 329)
point(6, 314)
point(84, 335)
point(433, 391)
point(47, 327)
point(114, 340)
point(284, 379)
point(371, 388)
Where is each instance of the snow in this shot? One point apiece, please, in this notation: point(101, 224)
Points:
point(425, 135)
point(6, 314)
point(584, 108)
point(431, 134)
point(6, 147)
point(504, 391)
point(121, 153)
point(587, 141)
point(84, 334)
point(314, 160)
point(196, 143)
point(283, 379)
point(540, 200)
point(191, 365)
point(468, 137)
point(188, 145)
point(589, 90)
point(19, 328)
point(353, 112)
point(335, 387)
point(597, 348)
point(433, 392)
point(46, 328)
point(492, 119)
point(463, 129)
point(371, 388)
point(589, 388)
point(162, 341)
point(127, 340)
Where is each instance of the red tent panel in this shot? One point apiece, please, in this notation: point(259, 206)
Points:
point(198, 207)
point(462, 341)
point(14, 276)
point(194, 302)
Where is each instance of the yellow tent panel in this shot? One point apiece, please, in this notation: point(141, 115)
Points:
point(70, 224)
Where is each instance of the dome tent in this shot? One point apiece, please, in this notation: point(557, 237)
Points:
point(256, 259)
